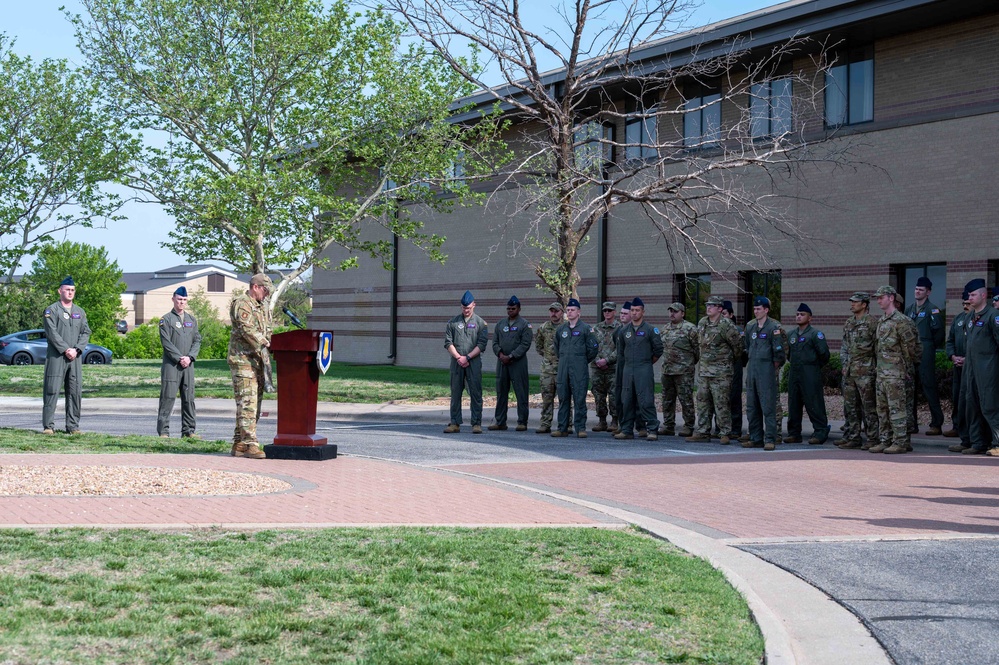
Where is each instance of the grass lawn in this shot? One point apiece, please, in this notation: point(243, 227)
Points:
point(28, 441)
point(387, 595)
point(342, 383)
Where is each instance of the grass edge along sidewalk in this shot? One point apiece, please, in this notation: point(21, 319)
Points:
point(399, 595)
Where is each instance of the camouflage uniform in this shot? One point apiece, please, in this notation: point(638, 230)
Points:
point(895, 343)
point(860, 365)
point(64, 329)
point(765, 346)
point(910, 385)
point(251, 333)
point(602, 381)
point(544, 344)
point(681, 349)
point(719, 344)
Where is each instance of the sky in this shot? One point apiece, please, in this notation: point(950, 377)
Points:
point(42, 31)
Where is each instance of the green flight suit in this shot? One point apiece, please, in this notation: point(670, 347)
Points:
point(930, 322)
point(513, 338)
point(465, 336)
point(808, 353)
point(981, 379)
point(576, 347)
point(957, 345)
point(639, 347)
point(64, 329)
point(179, 337)
point(765, 347)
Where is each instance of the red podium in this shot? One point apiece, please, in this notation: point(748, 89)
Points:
point(294, 353)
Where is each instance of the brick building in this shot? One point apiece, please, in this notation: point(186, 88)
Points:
point(919, 112)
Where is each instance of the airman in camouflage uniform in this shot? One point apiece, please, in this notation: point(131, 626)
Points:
point(67, 334)
point(681, 350)
point(910, 385)
point(767, 349)
point(249, 339)
point(544, 344)
point(929, 321)
point(603, 370)
point(859, 369)
point(808, 352)
point(894, 348)
point(719, 344)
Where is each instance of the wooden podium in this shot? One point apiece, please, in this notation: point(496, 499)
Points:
point(294, 353)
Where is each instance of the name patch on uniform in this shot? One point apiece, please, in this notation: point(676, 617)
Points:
point(188, 324)
point(763, 335)
point(640, 333)
point(979, 323)
point(76, 316)
point(922, 314)
point(471, 325)
point(575, 333)
point(514, 329)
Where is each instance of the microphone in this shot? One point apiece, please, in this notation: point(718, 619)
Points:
point(291, 317)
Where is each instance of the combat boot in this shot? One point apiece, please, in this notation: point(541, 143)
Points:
point(544, 429)
point(698, 438)
point(879, 448)
point(521, 427)
point(614, 426)
point(651, 436)
point(686, 431)
point(494, 427)
point(559, 433)
point(744, 438)
point(752, 444)
point(770, 446)
point(643, 433)
point(253, 451)
point(581, 434)
point(452, 429)
point(992, 452)
point(477, 429)
point(973, 451)
point(666, 432)
point(48, 430)
point(623, 435)
point(896, 450)
point(816, 441)
point(958, 448)
point(849, 445)
point(951, 433)
point(724, 440)
point(791, 439)
point(934, 431)
point(601, 425)
point(238, 450)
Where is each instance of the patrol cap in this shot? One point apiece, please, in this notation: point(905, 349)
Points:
point(727, 306)
point(610, 305)
point(260, 279)
point(861, 296)
point(677, 307)
point(467, 299)
point(513, 301)
point(637, 302)
point(556, 306)
point(573, 303)
point(885, 291)
point(761, 301)
point(805, 308)
point(715, 300)
point(181, 291)
point(626, 306)
point(67, 282)
point(925, 282)
point(974, 285)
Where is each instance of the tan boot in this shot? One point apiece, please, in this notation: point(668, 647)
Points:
point(48, 430)
point(238, 450)
point(601, 426)
point(253, 451)
point(580, 434)
point(452, 429)
point(614, 428)
point(896, 450)
point(544, 429)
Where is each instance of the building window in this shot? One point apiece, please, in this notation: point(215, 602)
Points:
point(591, 154)
point(694, 291)
point(770, 108)
point(216, 284)
point(850, 88)
point(766, 283)
point(906, 276)
point(641, 135)
point(456, 169)
point(702, 119)
point(992, 274)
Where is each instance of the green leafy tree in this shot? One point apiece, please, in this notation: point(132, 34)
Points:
point(98, 283)
point(298, 299)
point(22, 309)
point(284, 126)
point(57, 147)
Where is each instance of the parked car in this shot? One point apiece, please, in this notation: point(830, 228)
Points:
point(28, 348)
point(121, 326)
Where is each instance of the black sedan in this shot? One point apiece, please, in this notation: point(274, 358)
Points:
point(28, 348)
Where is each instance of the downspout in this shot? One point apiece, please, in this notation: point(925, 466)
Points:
point(394, 306)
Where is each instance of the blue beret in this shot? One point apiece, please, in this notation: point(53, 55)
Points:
point(512, 301)
point(964, 294)
point(467, 299)
point(974, 285)
point(804, 308)
point(573, 303)
point(626, 306)
point(727, 306)
point(637, 302)
point(995, 292)
point(67, 282)
point(181, 291)
point(924, 281)
point(761, 301)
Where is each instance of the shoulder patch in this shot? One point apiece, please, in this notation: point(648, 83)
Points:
point(935, 311)
point(997, 320)
point(820, 335)
point(162, 322)
point(655, 330)
point(48, 313)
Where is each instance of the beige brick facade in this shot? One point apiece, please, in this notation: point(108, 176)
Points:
point(920, 190)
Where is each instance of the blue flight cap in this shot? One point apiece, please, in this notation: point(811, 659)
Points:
point(995, 291)
point(573, 303)
point(974, 285)
point(513, 301)
point(637, 302)
point(626, 306)
point(467, 299)
point(67, 282)
point(727, 306)
point(181, 291)
point(804, 308)
point(925, 282)
point(761, 301)
point(964, 294)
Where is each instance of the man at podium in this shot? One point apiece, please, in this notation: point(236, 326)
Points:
point(251, 334)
